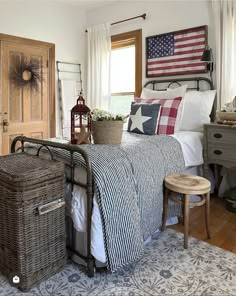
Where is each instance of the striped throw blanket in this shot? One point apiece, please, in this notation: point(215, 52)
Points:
point(129, 186)
point(128, 181)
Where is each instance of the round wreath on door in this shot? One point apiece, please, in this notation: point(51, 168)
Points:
point(27, 73)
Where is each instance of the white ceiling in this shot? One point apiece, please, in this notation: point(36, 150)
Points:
point(86, 4)
point(81, 3)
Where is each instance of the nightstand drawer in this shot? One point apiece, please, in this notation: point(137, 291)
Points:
point(221, 153)
point(218, 135)
point(219, 146)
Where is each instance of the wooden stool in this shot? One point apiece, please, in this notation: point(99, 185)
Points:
point(187, 185)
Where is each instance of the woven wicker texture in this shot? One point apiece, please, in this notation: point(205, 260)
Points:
point(107, 132)
point(31, 245)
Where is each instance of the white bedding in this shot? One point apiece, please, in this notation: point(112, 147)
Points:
point(191, 144)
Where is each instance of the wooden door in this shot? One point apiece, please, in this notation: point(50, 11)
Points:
point(26, 111)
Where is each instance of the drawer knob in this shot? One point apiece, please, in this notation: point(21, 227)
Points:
point(218, 136)
point(218, 152)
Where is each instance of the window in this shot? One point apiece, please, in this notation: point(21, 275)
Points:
point(126, 70)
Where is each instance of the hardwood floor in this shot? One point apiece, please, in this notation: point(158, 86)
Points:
point(222, 225)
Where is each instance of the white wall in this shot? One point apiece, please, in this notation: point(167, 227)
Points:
point(162, 16)
point(60, 24)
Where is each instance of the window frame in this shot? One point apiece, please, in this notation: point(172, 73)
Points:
point(127, 39)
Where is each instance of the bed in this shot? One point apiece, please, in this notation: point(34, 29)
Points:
point(116, 227)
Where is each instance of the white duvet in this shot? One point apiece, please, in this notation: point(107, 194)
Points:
point(191, 144)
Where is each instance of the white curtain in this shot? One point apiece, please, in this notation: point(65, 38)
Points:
point(224, 13)
point(98, 68)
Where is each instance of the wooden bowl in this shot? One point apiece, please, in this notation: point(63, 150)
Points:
point(226, 115)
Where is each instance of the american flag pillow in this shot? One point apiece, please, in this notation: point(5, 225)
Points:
point(168, 115)
point(144, 118)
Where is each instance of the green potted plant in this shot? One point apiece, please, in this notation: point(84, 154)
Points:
point(106, 127)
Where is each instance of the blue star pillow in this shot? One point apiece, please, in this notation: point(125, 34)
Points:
point(144, 118)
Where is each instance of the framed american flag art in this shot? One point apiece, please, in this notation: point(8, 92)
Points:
point(176, 53)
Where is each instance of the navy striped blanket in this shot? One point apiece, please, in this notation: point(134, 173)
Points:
point(128, 181)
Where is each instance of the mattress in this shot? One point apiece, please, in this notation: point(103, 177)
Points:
point(191, 144)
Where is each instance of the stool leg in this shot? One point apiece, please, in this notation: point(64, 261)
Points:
point(182, 206)
point(186, 219)
point(165, 208)
point(207, 214)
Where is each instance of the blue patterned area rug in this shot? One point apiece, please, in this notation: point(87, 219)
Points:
point(165, 269)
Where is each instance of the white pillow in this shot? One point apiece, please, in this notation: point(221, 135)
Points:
point(164, 94)
point(168, 94)
point(197, 109)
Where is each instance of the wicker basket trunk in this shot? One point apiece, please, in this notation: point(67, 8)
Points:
point(107, 132)
point(32, 218)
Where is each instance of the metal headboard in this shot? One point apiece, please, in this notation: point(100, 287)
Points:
point(197, 82)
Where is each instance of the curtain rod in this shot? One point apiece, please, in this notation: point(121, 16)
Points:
point(126, 20)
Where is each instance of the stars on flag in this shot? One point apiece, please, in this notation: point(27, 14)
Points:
point(161, 46)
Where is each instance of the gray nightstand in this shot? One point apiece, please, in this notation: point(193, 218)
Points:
point(219, 146)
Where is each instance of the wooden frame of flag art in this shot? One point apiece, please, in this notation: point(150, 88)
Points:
point(176, 53)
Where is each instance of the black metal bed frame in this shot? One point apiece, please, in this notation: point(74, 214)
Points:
point(177, 81)
point(90, 260)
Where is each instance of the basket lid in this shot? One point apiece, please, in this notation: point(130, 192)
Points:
point(20, 167)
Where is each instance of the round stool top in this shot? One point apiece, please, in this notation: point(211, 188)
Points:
point(187, 184)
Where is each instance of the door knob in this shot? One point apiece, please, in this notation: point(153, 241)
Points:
point(5, 125)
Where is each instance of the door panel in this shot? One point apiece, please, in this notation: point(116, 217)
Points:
point(25, 109)
point(12, 137)
point(15, 94)
point(36, 135)
point(36, 97)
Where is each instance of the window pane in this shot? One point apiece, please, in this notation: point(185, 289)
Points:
point(121, 104)
point(123, 69)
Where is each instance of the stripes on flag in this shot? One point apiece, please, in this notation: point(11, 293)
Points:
point(176, 53)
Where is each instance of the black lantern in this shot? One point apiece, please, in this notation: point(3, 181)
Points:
point(207, 57)
point(80, 122)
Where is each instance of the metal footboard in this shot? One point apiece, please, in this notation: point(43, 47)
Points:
point(88, 186)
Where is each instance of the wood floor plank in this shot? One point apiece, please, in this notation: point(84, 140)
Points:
point(222, 225)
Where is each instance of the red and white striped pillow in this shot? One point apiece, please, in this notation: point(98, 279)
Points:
point(168, 115)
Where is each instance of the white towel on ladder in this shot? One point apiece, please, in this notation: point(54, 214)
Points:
point(69, 95)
